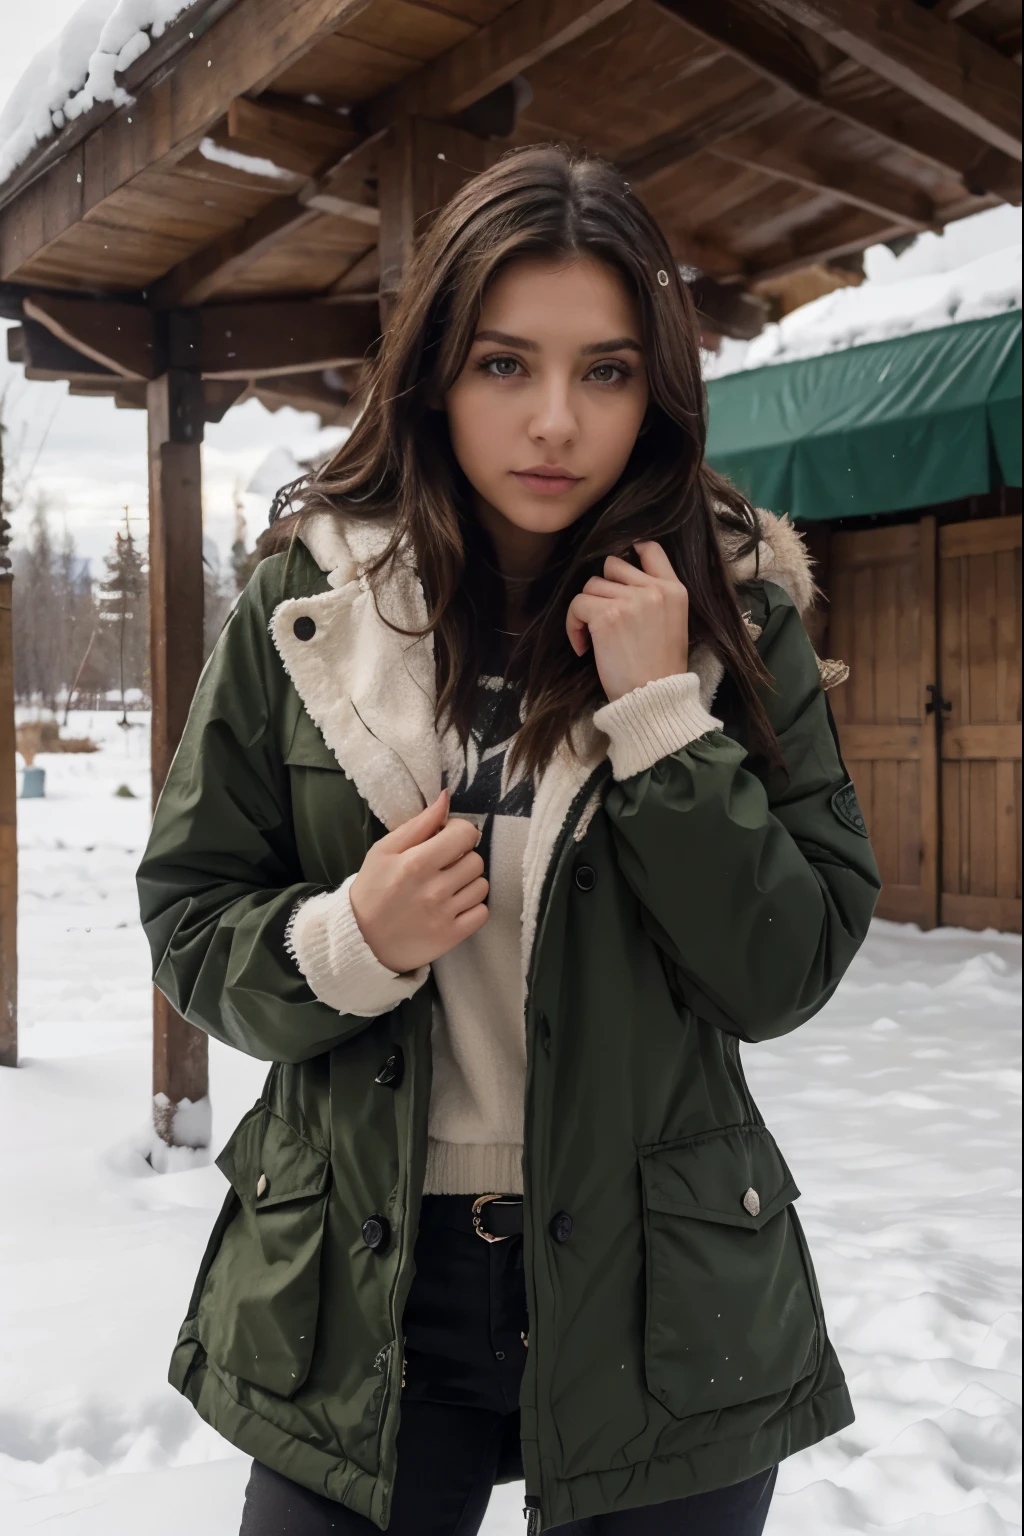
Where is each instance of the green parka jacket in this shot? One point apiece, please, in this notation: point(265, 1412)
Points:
point(677, 1341)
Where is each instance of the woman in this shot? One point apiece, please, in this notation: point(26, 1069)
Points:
point(507, 807)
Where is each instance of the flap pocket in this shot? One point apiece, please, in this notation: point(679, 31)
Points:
point(732, 1308)
point(268, 1162)
point(258, 1310)
point(736, 1176)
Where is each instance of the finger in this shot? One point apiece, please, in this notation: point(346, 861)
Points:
point(616, 569)
point(579, 635)
point(418, 828)
point(654, 560)
point(598, 587)
point(589, 610)
point(470, 921)
point(471, 895)
point(458, 875)
point(447, 846)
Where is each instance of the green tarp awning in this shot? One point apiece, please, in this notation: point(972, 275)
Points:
point(879, 428)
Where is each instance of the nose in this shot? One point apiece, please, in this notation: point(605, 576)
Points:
point(554, 421)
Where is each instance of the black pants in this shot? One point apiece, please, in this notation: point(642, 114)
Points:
point(464, 1324)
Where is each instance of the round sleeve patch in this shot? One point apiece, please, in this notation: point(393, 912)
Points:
point(846, 808)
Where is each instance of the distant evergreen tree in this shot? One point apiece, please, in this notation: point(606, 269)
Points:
point(124, 612)
point(54, 612)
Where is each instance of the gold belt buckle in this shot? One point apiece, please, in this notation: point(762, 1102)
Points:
point(488, 1237)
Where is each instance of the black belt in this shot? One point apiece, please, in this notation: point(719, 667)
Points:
point(497, 1216)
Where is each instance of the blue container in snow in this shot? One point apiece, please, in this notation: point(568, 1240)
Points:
point(33, 784)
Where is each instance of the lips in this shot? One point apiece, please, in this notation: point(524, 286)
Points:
point(547, 479)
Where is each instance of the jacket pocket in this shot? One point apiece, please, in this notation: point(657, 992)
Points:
point(258, 1312)
point(732, 1307)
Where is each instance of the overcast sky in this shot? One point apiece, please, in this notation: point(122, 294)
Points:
point(89, 459)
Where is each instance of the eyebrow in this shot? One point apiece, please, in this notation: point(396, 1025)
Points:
point(522, 344)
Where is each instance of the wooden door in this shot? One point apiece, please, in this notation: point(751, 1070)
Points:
point(979, 654)
point(882, 621)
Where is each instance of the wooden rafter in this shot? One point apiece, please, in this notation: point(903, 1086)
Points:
point(758, 43)
point(868, 187)
point(515, 41)
point(200, 275)
point(755, 106)
point(467, 73)
point(947, 68)
point(728, 311)
point(111, 343)
point(120, 337)
point(260, 341)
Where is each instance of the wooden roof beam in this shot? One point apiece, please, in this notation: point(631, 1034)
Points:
point(511, 44)
point(45, 356)
point(467, 73)
point(943, 66)
point(120, 337)
point(757, 42)
point(264, 340)
point(111, 341)
point(197, 277)
point(844, 234)
point(868, 187)
point(754, 107)
point(729, 311)
point(340, 191)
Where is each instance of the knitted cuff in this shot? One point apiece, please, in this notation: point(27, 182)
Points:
point(324, 940)
point(653, 721)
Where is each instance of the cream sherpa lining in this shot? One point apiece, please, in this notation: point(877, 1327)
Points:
point(370, 690)
point(325, 941)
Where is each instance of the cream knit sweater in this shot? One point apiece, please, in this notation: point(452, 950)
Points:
point(475, 1120)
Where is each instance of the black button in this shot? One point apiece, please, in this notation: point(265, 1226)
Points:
point(376, 1232)
point(544, 1029)
point(585, 878)
point(560, 1226)
point(499, 1354)
point(304, 628)
point(390, 1074)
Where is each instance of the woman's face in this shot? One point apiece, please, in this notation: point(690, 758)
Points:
point(545, 412)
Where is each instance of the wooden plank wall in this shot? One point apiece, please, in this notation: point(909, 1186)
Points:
point(882, 622)
point(980, 666)
point(929, 620)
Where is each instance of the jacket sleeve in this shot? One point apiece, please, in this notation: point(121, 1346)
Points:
point(220, 884)
point(758, 888)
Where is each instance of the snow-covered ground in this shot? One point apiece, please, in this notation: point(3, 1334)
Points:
point(898, 1109)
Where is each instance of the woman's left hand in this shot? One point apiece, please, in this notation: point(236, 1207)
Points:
point(636, 620)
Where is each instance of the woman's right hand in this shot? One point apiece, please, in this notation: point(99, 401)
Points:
point(421, 889)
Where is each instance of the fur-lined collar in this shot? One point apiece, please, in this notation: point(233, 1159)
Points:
point(370, 688)
point(343, 546)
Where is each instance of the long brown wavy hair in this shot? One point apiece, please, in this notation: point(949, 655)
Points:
point(398, 461)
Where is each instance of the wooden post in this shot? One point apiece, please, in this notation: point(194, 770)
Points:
point(175, 407)
point(422, 164)
point(8, 837)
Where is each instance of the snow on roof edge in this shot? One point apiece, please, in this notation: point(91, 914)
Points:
point(77, 69)
point(851, 317)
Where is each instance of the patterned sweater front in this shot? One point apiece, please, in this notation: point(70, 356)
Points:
point(475, 1123)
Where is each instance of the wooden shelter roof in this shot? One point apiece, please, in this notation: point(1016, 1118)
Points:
point(765, 134)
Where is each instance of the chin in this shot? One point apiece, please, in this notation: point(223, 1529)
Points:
point(548, 517)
